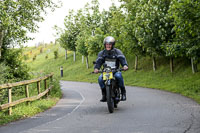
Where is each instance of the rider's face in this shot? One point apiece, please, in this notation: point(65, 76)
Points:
point(108, 46)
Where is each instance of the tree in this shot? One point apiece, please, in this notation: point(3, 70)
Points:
point(82, 38)
point(152, 26)
point(1, 41)
point(58, 33)
point(82, 45)
point(186, 15)
point(19, 17)
point(116, 22)
point(94, 22)
point(71, 32)
point(130, 41)
point(95, 43)
point(62, 41)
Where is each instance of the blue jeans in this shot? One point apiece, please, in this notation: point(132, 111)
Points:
point(118, 77)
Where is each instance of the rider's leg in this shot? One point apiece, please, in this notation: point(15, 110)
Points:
point(103, 89)
point(118, 76)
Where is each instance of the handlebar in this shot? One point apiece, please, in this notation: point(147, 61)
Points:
point(117, 70)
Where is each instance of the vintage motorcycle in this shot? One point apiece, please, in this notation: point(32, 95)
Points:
point(113, 92)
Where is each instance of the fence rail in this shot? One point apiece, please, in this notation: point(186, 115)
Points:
point(28, 99)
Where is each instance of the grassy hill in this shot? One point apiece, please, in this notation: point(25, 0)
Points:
point(22, 110)
point(182, 81)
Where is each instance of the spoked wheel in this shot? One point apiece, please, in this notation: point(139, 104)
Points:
point(117, 97)
point(110, 101)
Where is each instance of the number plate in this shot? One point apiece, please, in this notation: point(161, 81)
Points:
point(111, 64)
point(107, 75)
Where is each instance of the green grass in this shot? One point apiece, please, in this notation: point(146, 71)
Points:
point(181, 81)
point(23, 111)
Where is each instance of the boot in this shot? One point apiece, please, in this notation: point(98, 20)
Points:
point(123, 91)
point(103, 99)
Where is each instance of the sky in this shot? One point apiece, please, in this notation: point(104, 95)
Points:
point(46, 32)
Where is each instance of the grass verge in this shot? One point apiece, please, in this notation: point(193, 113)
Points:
point(181, 81)
point(23, 111)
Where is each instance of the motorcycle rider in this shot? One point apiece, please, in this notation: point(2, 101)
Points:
point(112, 57)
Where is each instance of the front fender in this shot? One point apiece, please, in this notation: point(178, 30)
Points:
point(108, 82)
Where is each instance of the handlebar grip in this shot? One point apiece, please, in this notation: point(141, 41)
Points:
point(100, 71)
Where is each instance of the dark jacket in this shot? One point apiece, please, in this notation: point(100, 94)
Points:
point(114, 54)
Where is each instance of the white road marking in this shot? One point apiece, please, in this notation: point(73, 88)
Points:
point(35, 128)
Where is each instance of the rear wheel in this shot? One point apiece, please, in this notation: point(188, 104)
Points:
point(110, 101)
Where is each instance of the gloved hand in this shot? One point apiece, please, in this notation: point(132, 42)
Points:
point(96, 71)
point(125, 68)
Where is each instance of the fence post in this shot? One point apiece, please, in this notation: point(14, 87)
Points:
point(27, 93)
point(10, 100)
point(50, 82)
point(38, 87)
point(45, 86)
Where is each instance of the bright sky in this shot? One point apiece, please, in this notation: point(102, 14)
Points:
point(46, 32)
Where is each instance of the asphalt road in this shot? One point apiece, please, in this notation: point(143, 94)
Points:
point(145, 111)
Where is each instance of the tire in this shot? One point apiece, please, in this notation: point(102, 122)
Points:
point(110, 101)
point(117, 97)
point(115, 105)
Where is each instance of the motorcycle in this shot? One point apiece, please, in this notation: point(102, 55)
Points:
point(113, 92)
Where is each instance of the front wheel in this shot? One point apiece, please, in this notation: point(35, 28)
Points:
point(110, 101)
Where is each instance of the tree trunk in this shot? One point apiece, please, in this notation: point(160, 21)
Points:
point(66, 54)
point(1, 41)
point(194, 66)
point(154, 63)
point(82, 59)
point(171, 64)
point(136, 62)
point(87, 64)
point(74, 56)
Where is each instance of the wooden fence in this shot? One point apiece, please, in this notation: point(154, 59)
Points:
point(28, 99)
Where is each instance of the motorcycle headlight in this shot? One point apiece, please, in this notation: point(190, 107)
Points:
point(108, 70)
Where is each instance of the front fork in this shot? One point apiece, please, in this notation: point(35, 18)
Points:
point(110, 84)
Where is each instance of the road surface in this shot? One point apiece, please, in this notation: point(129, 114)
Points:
point(145, 111)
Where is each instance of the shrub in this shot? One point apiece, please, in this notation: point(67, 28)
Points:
point(34, 57)
point(56, 91)
point(16, 68)
point(26, 57)
point(55, 54)
point(4, 73)
point(46, 57)
point(41, 50)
